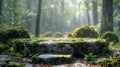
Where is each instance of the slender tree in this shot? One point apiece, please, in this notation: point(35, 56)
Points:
point(14, 9)
point(79, 5)
point(87, 10)
point(95, 15)
point(37, 29)
point(62, 14)
point(29, 23)
point(107, 16)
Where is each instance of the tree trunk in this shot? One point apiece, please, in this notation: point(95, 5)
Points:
point(107, 16)
point(37, 29)
point(95, 15)
point(88, 16)
point(29, 23)
point(87, 10)
point(62, 15)
point(15, 14)
point(1, 3)
point(56, 17)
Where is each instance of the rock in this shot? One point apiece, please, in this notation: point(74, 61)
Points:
point(53, 59)
point(55, 47)
point(13, 33)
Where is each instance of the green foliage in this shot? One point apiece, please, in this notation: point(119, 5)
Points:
point(110, 37)
point(10, 65)
point(47, 34)
point(6, 64)
point(18, 56)
point(58, 34)
point(89, 57)
point(3, 47)
point(109, 62)
point(12, 33)
point(114, 46)
point(36, 56)
point(85, 32)
point(18, 45)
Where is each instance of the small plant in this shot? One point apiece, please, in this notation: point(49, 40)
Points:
point(90, 57)
point(36, 56)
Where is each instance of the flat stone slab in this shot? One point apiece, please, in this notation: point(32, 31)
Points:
point(45, 56)
point(54, 59)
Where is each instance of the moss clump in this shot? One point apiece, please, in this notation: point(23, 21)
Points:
point(69, 35)
point(110, 37)
point(47, 34)
point(58, 34)
point(85, 32)
point(19, 45)
point(12, 33)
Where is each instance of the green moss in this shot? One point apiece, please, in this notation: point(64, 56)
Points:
point(12, 33)
point(10, 65)
point(69, 35)
point(85, 32)
point(110, 37)
point(3, 47)
point(18, 45)
point(58, 34)
point(80, 46)
point(109, 62)
point(97, 48)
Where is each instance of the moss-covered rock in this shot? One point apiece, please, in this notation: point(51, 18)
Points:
point(77, 47)
point(39, 48)
point(98, 48)
point(110, 37)
point(85, 32)
point(60, 48)
point(12, 33)
point(58, 34)
point(22, 46)
point(47, 34)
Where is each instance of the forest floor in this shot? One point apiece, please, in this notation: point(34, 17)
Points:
point(76, 63)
